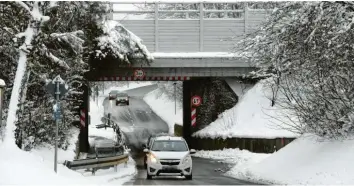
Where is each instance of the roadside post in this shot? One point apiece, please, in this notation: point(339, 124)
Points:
point(2, 90)
point(57, 88)
point(175, 97)
point(196, 102)
point(96, 92)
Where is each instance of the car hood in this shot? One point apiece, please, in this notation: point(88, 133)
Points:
point(170, 154)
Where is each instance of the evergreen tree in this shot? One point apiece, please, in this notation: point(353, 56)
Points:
point(75, 33)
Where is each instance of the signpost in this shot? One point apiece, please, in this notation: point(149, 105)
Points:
point(57, 88)
point(175, 97)
point(139, 73)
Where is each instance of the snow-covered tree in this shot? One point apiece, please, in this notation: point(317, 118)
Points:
point(73, 34)
point(307, 48)
point(168, 88)
point(207, 6)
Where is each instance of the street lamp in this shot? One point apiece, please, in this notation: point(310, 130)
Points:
point(2, 87)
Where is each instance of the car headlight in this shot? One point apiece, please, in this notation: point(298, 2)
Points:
point(153, 159)
point(187, 160)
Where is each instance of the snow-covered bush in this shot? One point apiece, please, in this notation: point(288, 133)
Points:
point(307, 48)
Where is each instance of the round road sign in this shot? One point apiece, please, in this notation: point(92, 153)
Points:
point(139, 73)
point(196, 101)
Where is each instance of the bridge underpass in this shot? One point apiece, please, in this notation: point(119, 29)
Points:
point(187, 50)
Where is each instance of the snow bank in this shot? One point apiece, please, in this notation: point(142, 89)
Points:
point(37, 167)
point(46, 151)
point(2, 83)
point(252, 117)
point(233, 156)
point(165, 108)
point(308, 160)
point(18, 167)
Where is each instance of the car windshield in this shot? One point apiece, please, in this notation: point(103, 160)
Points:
point(169, 145)
point(114, 92)
point(122, 95)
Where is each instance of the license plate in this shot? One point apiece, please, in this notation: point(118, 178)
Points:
point(169, 167)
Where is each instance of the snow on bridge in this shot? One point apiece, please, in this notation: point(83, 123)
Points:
point(185, 44)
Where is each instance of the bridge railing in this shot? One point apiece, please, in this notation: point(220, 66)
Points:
point(188, 33)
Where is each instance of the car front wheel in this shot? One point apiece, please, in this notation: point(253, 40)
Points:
point(149, 177)
point(189, 177)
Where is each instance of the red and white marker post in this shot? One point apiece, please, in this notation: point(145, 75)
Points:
point(82, 118)
point(196, 102)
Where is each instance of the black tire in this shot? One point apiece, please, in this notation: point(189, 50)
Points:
point(149, 177)
point(189, 177)
point(145, 164)
point(128, 103)
point(117, 103)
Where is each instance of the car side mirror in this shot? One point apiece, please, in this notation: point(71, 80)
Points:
point(146, 150)
point(192, 151)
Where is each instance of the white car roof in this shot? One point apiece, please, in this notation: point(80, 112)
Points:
point(174, 138)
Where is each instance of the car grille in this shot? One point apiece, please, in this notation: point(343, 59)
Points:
point(169, 162)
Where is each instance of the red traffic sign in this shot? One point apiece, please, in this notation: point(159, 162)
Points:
point(139, 73)
point(196, 101)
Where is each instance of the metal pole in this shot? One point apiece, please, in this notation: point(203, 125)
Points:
point(97, 94)
point(57, 93)
point(2, 87)
point(175, 98)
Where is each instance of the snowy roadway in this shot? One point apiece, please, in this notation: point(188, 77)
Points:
point(138, 121)
point(205, 172)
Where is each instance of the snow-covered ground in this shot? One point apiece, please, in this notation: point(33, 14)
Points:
point(232, 156)
point(251, 117)
point(36, 167)
point(238, 159)
point(307, 160)
point(165, 108)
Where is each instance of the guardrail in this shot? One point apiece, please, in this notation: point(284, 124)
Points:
point(109, 123)
point(95, 163)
